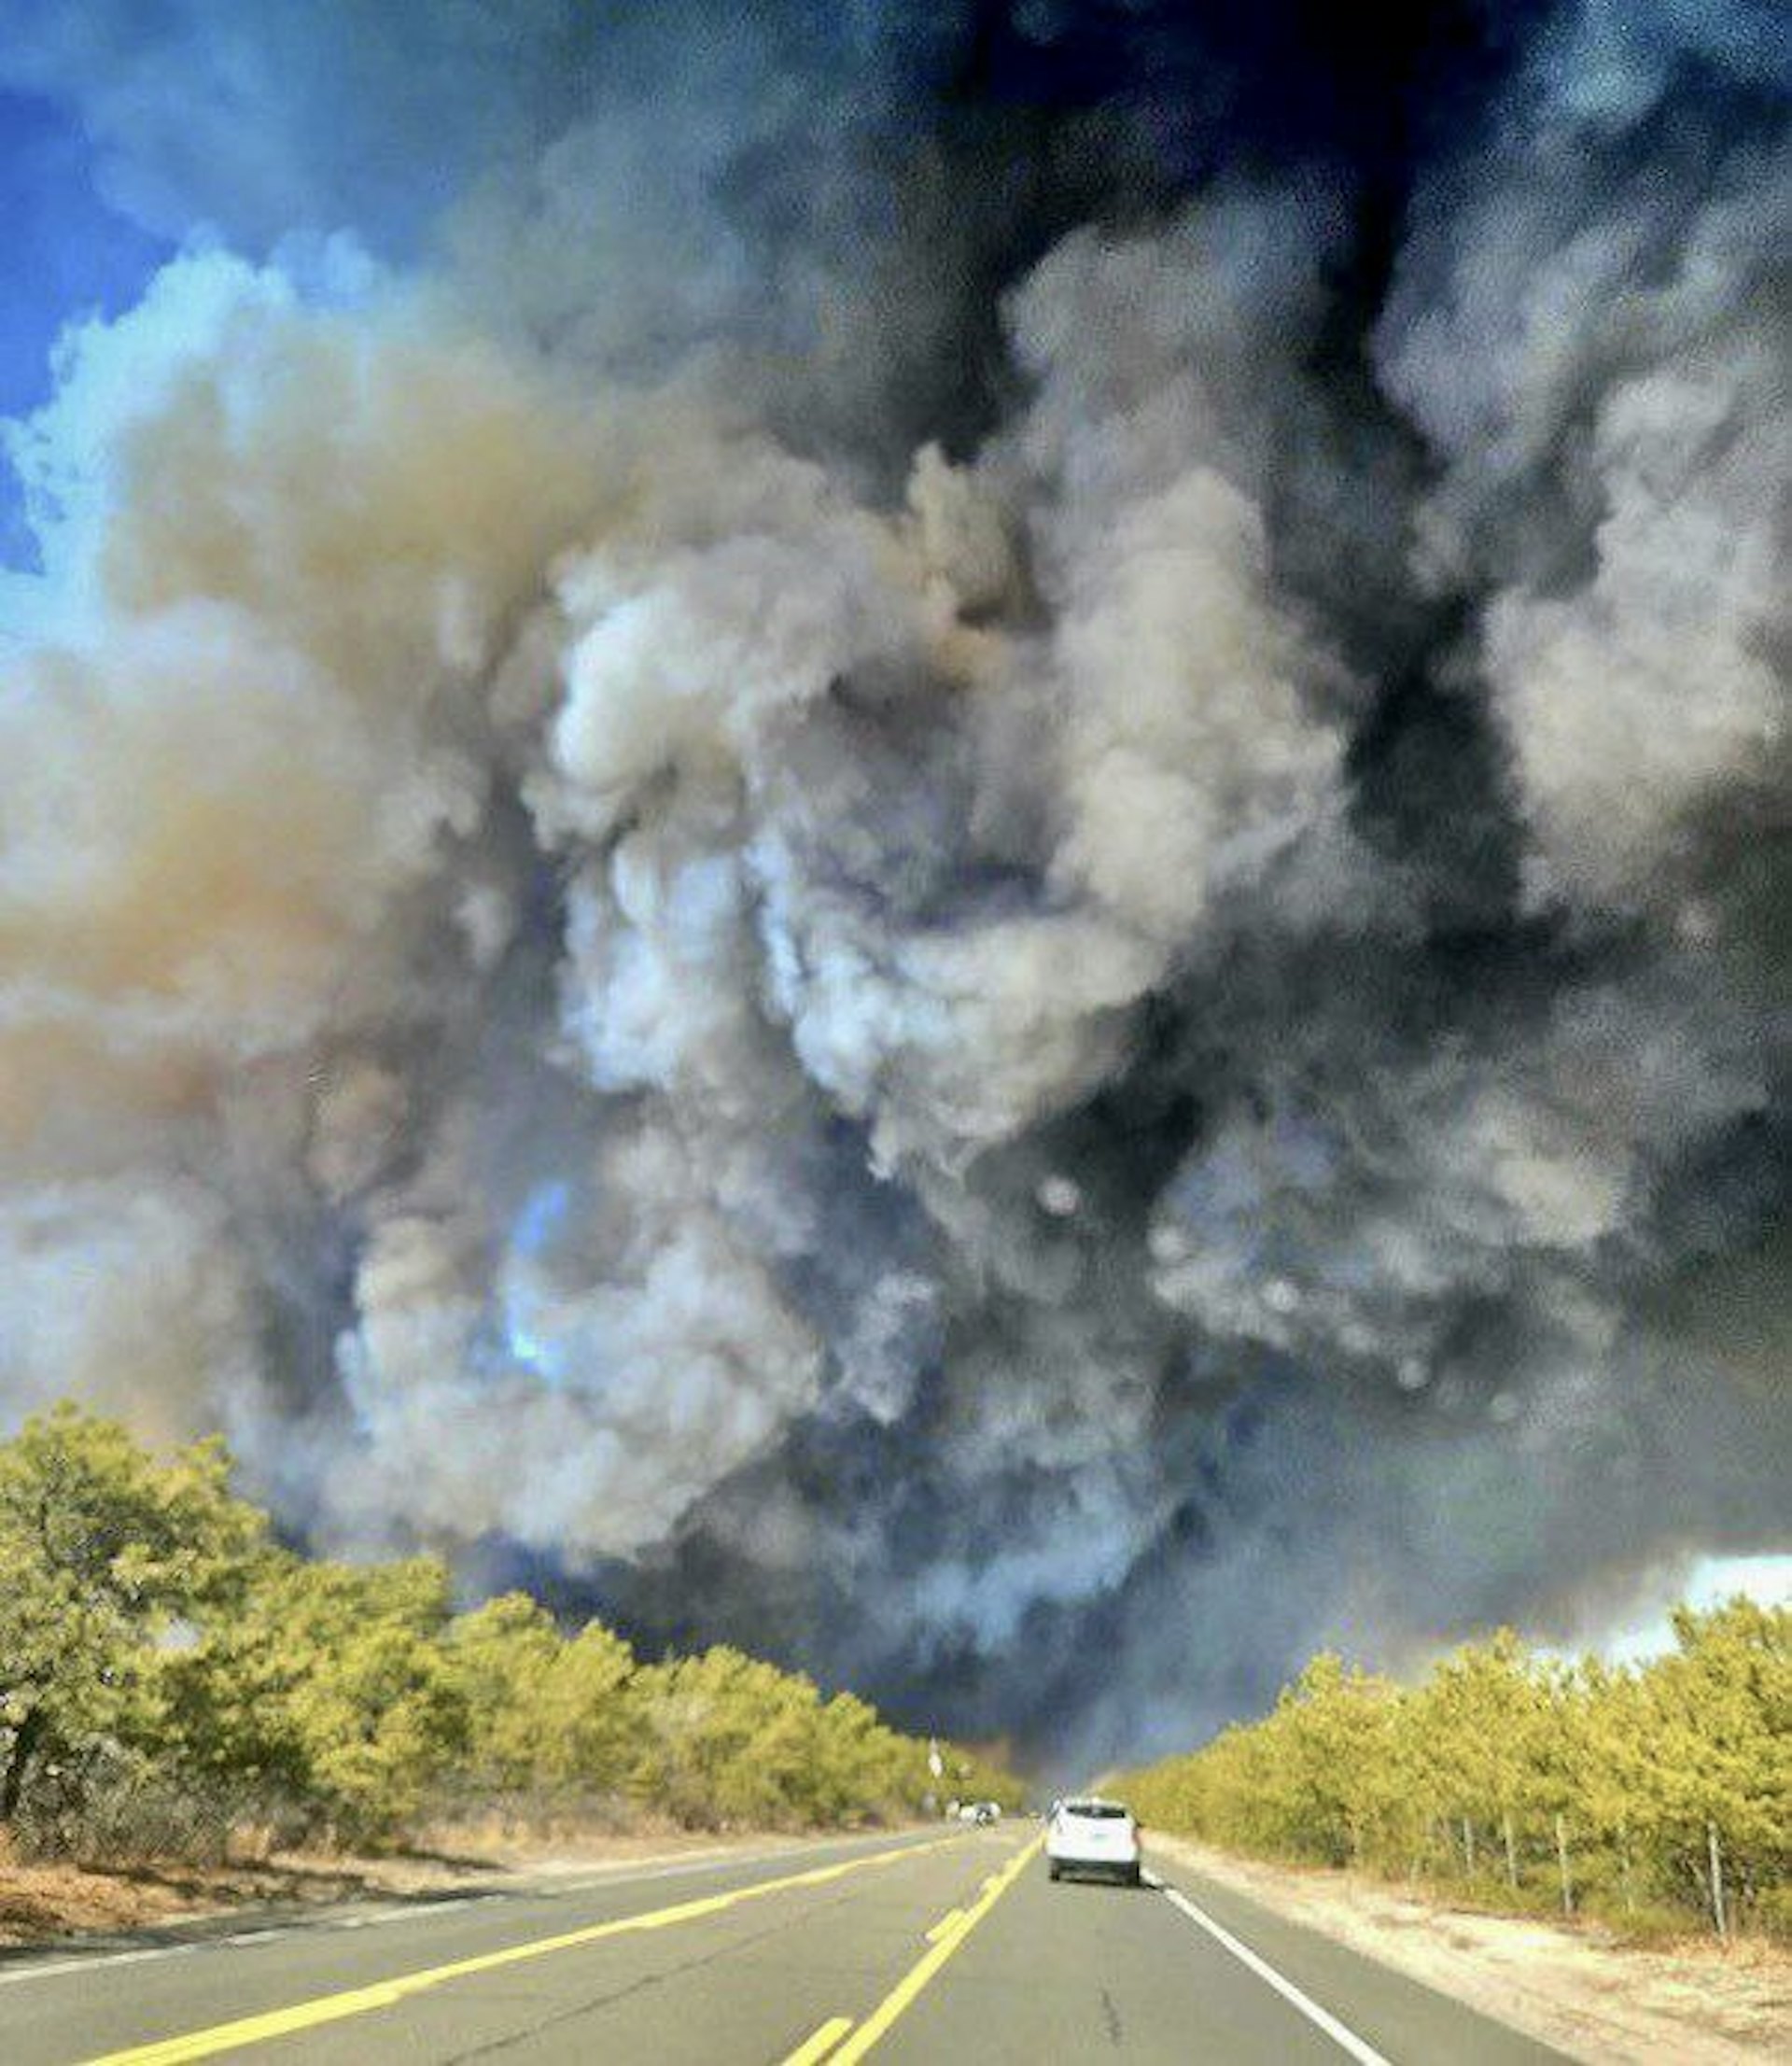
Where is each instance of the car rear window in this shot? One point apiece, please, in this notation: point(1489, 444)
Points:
point(1095, 1811)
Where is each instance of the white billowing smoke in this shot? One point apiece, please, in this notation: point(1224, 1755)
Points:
point(595, 967)
point(1195, 747)
point(130, 1288)
point(355, 591)
point(1596, 347)
point(636, 1366)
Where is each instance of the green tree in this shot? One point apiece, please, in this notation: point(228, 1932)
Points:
point(150, 1631)
point(109, 1557)
point(543, 1712)
point(331, 1687)
point(501, 1657)
point(727, 1740)
point(586, 1714)
point(1674, 1777)
point(1717, 1721)
point(1488, 1723)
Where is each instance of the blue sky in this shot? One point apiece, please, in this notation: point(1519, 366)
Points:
point(1647, 1631)
point(66, 254)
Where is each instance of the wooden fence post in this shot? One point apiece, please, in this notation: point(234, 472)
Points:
point(1511, 1852)
point(1712, 1851)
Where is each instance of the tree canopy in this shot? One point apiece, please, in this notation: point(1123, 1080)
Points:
point(1664, 1787)
point(152, 1634)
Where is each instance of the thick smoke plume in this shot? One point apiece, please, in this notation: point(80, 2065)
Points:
point(958, 842)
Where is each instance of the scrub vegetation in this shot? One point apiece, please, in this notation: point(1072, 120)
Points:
point(1657, 1796)
point(171, 1677)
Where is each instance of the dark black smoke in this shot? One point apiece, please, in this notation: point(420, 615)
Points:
point(955, 838)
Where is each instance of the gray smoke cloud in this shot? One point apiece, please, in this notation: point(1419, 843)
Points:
point(653, 936)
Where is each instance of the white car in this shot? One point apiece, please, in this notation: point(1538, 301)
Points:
point(1093, 1837)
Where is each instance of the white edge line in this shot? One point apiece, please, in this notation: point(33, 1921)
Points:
point(710, 1861)
point(1346, 2040)
point(93, 1963)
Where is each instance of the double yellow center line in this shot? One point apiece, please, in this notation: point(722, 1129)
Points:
point(335, 2008)
point(944, 1939)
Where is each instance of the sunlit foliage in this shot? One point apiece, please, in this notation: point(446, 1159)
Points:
point(1648, 1793)
point(155, 1644)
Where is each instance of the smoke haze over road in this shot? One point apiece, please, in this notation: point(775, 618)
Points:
point(911, 831)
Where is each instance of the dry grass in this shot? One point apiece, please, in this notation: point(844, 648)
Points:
point(44, 1900)
point(1690, 2003)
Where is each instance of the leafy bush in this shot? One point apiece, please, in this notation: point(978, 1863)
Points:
point(168, 1674)
point(1524, 1780)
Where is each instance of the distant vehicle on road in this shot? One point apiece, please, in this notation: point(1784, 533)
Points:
point(1094, 1837)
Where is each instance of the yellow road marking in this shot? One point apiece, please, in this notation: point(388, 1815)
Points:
point(817, 2047)
point(946, 1924)
point(334, 2008)
point(903, 1993)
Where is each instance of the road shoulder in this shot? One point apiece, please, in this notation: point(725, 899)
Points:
point(1596, 2001)
point(67, 1906)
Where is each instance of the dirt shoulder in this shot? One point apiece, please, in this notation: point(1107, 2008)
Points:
point(40, 1904)
point(1693, 2005)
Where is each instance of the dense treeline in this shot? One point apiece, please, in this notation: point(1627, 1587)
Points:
point(168, 1673)
point(1653, 1794)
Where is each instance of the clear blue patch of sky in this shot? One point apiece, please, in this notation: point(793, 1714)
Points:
point(63, 254)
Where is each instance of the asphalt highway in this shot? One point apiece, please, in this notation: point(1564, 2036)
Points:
point(935, 1947)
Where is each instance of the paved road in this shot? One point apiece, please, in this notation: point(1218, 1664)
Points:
point(935, 1948)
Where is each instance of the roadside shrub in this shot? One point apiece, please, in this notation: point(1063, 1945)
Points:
point(172, 1684)
point(118, 1808)
point(1525, 1782)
